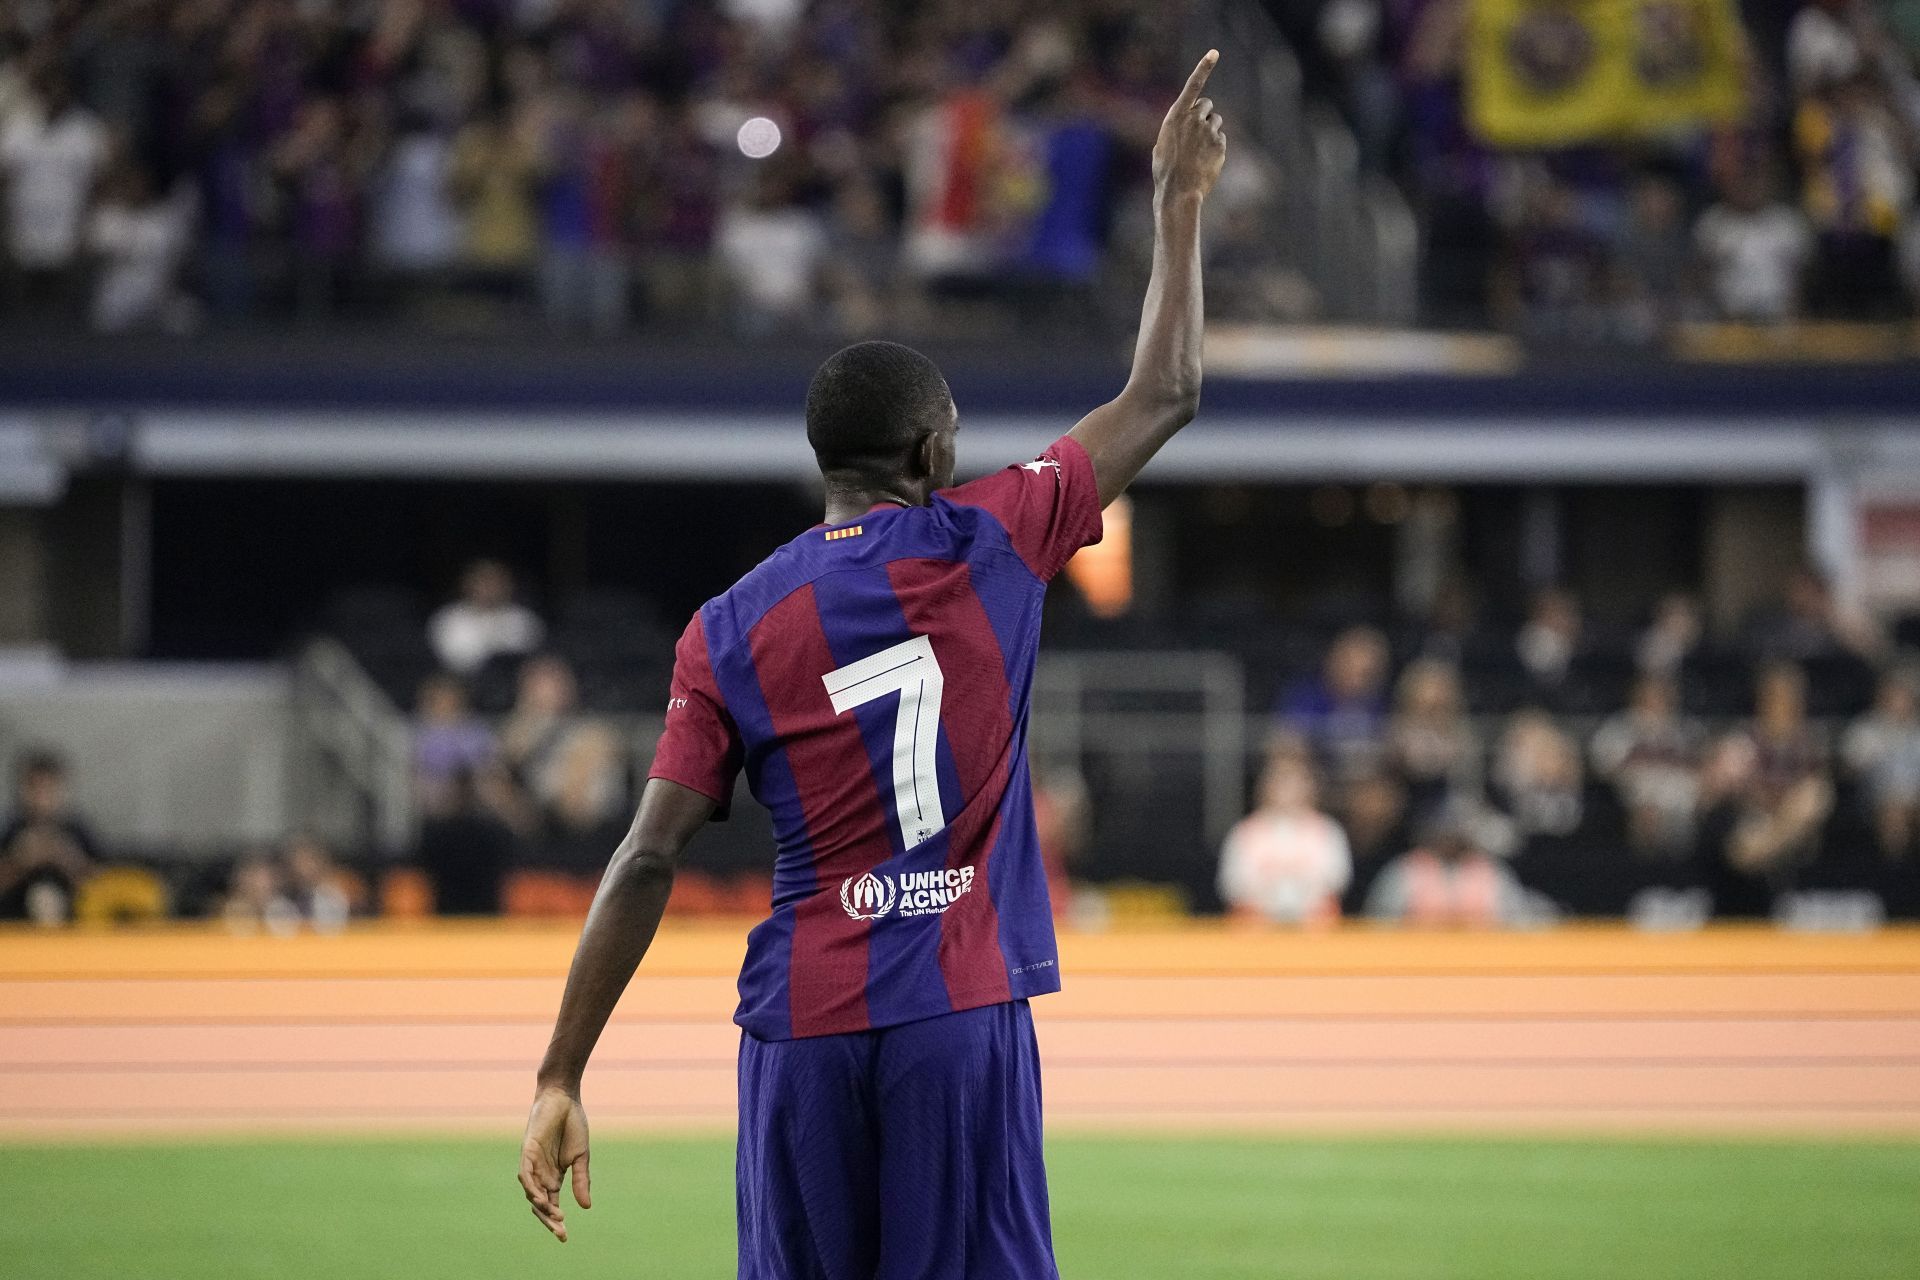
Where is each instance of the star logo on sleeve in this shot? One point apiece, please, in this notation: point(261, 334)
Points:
point(1040, 464)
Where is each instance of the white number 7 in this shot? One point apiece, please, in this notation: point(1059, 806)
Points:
point(909, 669)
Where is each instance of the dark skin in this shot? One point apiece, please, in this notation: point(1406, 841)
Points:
point(1161, 396)
point(43, 843)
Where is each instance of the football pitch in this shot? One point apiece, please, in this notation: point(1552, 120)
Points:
point(1197, 1209)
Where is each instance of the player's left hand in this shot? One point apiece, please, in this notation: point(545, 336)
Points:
point(1192, 145)
point(556, 1142)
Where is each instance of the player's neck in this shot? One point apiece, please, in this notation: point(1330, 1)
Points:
point(851, 501)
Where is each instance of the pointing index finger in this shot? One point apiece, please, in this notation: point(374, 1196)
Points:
point(1197, 81)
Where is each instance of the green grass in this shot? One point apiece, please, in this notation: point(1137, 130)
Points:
point(1221, 1209)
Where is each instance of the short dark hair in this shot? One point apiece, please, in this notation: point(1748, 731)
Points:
point(870, 403)
point(36, 761)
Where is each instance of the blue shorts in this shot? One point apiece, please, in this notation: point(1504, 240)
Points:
point(908, 1153)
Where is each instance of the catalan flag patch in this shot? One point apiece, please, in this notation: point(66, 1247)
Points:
point(834, 535)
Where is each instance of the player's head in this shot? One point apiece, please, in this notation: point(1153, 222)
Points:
point(879, 415)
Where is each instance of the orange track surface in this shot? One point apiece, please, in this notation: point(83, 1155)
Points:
point(192, 1031)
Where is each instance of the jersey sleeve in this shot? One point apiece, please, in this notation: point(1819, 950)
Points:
point(700, 748)
point(1050, 507)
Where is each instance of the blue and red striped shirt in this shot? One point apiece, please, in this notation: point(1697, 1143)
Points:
point(873, 679)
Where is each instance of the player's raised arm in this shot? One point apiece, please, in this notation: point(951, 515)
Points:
point(1163, 392)
point(620, 926)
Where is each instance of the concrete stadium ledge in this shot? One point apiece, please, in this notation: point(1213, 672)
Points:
point(1203, 1027)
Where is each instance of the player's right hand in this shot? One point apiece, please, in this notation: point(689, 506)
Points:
point(1193, 142)
point(556, 1142)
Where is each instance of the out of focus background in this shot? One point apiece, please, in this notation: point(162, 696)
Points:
point(1500, 713)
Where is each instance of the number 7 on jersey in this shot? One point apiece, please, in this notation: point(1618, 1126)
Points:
point(911, 670)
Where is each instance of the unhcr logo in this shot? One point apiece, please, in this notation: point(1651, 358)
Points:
point(916, 893)
point(867, 897)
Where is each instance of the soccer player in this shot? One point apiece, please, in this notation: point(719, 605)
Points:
point(873, 677)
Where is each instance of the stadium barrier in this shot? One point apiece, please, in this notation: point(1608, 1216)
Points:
point(1197, 1027)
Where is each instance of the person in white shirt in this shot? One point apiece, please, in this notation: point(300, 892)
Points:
point(415, 227)
point(1823, 45)
point(1881, 752)
point(50, 157)
point(1755, 250)
point(139, 239)
point(484, 622)
point(772, 253)
point(1286, 862)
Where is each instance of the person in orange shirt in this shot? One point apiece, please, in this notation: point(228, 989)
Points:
point(1286, 862)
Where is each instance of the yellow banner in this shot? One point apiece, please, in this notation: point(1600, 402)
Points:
point(1549, 73)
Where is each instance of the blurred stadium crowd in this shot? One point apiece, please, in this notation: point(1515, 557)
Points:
point(1441, 772)
point(845, 166)
point(778, 164)
point(1794, 196)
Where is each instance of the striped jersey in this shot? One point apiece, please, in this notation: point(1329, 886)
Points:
point(873, 679)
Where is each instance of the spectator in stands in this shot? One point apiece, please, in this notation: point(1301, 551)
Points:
point(1075, 157)
point(466, 851)
point(1450, 881)
point(1652, 268)
point(1767, 794)
point(449, 742)
point(1256, 283)
point(1808, 623)
point(1823, 45)
point(1373, 810)
point(1450, 622)
point(139, 237)
point(229, 199)
point(321, 165)
point(1753, 250)
point(1537, 776)
point(1430, 741)
point(567, 764)
point(491, 177)
point(1651, 754)
point(1286, 862)
point(676, 211)
point(485, 622)
point(1881, 753)
point(1671, 637)
point(1350, 36)
point(1858, 161)
point(257, 898)
point(1550, 637)
point(1062, 817)
point(1341, 713)
point(51, 155)
point(413, 227)
point(772, 250)
point(955, 149)
point(46, 851)
point(1553, 284)
point(584, 271)
point(861, 275)
point(320, 891)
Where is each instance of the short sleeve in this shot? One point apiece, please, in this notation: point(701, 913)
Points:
point(1233, 880)
point(1050, 507)
point(700, 748)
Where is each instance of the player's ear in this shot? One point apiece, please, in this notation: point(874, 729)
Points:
point(926, 456)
